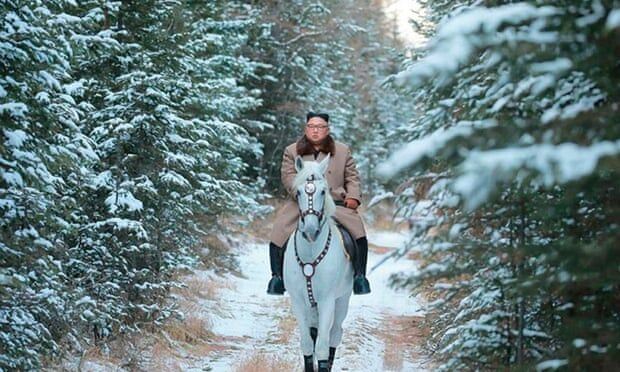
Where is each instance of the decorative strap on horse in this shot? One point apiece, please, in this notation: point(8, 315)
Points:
point(310, 189)
point(308, 269)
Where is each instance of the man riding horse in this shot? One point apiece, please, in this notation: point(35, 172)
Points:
point(344, 186)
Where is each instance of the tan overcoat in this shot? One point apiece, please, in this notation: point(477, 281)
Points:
point(343, 180)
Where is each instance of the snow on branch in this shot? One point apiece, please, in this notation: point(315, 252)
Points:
point(483, 170)
point(303, 35)
point(613, 19)
point(459, 37)
point(428, 146)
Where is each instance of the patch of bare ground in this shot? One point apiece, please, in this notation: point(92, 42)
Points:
point(379, 249)
point(287, 324)
point(403, 337)
point(174, 344)
point(216, 254)
point(196, 288)
point(264, 361)
point(259, 226)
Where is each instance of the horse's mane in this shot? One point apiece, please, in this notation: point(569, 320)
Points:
point(311, 168)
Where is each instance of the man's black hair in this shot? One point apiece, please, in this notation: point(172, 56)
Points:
point(322, 115)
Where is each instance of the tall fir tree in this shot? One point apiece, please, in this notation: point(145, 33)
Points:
point(515, 162)
point(41, 154)
point(125, 141)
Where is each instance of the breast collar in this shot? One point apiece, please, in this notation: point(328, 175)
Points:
point(309, 268)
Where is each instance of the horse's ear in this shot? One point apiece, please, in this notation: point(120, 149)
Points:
point(299, 163)
point(324, 164)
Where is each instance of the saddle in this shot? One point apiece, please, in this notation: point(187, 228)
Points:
point(349, 244)
point(347, 241)
point(350, 247)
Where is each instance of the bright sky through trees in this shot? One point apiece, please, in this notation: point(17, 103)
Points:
point(404, 11)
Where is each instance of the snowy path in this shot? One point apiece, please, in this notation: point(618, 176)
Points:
point(231, 324)
point(254, 329)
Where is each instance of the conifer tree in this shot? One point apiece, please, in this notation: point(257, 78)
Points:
point(41, 154)
point(124, 140)
point(516, 147)
point(164, 124)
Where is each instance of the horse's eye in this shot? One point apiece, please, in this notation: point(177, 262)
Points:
point(323, 192)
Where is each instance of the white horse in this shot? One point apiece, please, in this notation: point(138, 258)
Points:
point(317, 273)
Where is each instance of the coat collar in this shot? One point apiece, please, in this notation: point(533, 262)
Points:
point(306, 150)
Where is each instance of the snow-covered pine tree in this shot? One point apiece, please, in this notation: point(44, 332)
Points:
point(216, 53)
point(377, 109)
point(165, 103)
point(516, 139)
point(42, 153)
point(123, 142)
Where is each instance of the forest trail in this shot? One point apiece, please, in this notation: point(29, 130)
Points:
point(257, 329)
point(231, 323)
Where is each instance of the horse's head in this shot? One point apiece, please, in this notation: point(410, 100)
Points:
point(315, 203)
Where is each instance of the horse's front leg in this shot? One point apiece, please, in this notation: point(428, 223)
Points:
point(326, 319)
point(335, 335)
point(301, 312)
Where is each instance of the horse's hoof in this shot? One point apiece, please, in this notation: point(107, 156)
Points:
point(308, 363)
point(323, 365)
point(361, 285)
point(275, 286)
point(332, 356)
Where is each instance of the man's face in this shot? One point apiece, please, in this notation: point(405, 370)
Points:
point(317, 129)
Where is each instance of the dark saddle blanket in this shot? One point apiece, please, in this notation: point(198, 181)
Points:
point(349, 243)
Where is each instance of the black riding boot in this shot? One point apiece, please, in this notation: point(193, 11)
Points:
point(276, 258)
point(360, 283)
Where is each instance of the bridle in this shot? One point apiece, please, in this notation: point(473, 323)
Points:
point(310, 189)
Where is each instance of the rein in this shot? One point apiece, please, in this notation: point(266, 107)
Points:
point(309, 268)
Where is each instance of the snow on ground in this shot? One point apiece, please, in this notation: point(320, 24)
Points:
point(388, 239)
point(252, 323)
point(231, 324)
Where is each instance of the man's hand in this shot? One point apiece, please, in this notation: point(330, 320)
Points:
point(351, 203)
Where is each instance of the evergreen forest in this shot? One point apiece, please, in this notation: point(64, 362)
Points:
point(133, 131)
